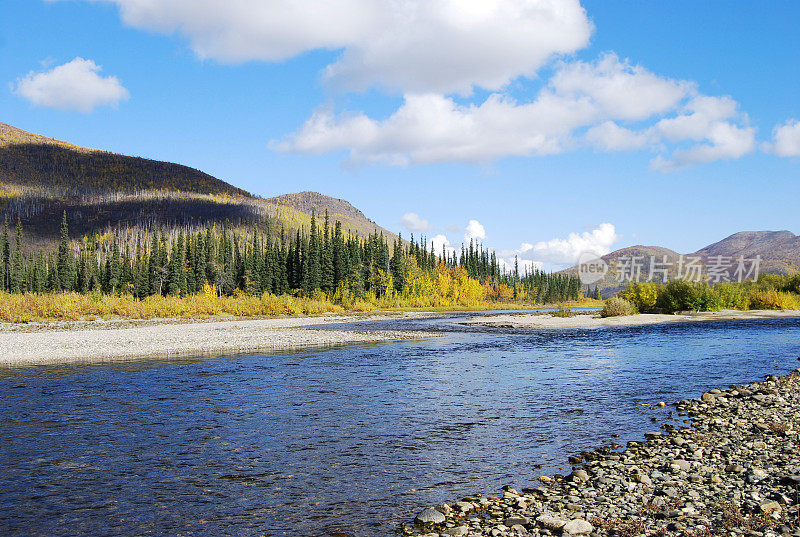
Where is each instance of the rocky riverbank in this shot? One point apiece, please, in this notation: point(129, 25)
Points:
point(734, 471)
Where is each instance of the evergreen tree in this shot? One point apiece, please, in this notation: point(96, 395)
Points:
point(327, 274)
point(5, 260)
point(17, 262)
point(65, 262)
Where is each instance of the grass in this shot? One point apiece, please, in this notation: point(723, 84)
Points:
point(31, 307)
point(34, 307)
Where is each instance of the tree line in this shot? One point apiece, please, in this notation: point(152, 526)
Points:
point(322, 261)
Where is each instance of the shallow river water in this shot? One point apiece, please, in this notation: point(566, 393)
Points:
point(352, 439)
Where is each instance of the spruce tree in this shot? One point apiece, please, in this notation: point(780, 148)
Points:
point(5, 259)
point(65, 263)
point(17, 262)
point(327, 274)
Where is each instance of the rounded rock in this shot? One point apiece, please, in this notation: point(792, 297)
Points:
point(429, 516)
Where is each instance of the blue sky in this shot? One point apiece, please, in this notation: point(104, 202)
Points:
point(541, 121)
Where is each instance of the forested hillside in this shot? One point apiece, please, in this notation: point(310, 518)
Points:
point(52, 166)
point(107, 193)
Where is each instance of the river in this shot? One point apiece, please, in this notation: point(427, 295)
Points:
point(352, 439)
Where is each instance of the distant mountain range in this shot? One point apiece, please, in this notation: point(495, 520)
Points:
point(779, 252)
point(102, 192)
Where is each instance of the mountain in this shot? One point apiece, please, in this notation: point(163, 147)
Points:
point(779, 251)
point(105, 192)
point(52, 166)
point(338, 209)
point(610, 284)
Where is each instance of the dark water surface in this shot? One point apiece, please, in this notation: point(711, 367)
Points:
point(352, 439)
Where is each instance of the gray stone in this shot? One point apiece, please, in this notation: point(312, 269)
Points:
point(769, 507)
point(517, 520)
point(429, 516)
point(550, 522)
point(580, 476)
point(465, 507)
point(682, 465)
point(578, 526)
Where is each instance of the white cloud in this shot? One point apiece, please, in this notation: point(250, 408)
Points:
point(608, 136)
point(617, 89)
point(431, 128)
point(564, 251)
point(786, 140)
point(76, 85)
point(524, 265)
point(474, 231)
point(583, 103)
point(440, 243)
point(413, 45)
point(712, 120)
point(413, 222)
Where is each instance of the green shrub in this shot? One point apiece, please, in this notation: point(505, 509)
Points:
point(732, 296)
point(680, 295)
point(616, 307)
point(563, 311)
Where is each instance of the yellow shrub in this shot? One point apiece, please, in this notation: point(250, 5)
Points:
point(774, 300)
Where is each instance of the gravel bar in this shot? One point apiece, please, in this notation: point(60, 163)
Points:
point(48, 343)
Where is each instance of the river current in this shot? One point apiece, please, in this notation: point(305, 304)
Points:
point(352, 439)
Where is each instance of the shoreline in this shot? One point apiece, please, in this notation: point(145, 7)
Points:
point(117, 340)
point(734, 470)
point(546, 321)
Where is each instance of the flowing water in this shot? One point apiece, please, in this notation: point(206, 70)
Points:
point(352, 439)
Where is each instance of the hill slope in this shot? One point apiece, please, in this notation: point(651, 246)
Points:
point(33, 161)
point(351, 218)
point(779, 250)
point(103, 192)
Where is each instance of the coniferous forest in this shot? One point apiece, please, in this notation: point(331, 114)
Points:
point(321, 263)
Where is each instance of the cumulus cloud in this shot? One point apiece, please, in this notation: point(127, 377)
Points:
point(430, 50)
point(566, 251)
point(474, 231)
point(76, 85)
point(413, 222)
point(432, 128)
point(523, 265)
point(714, 121)
point(441, 244)
point(786, 140)
point(415, 45)
point(617, 89)
point(584, 103)
point(608, 136)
